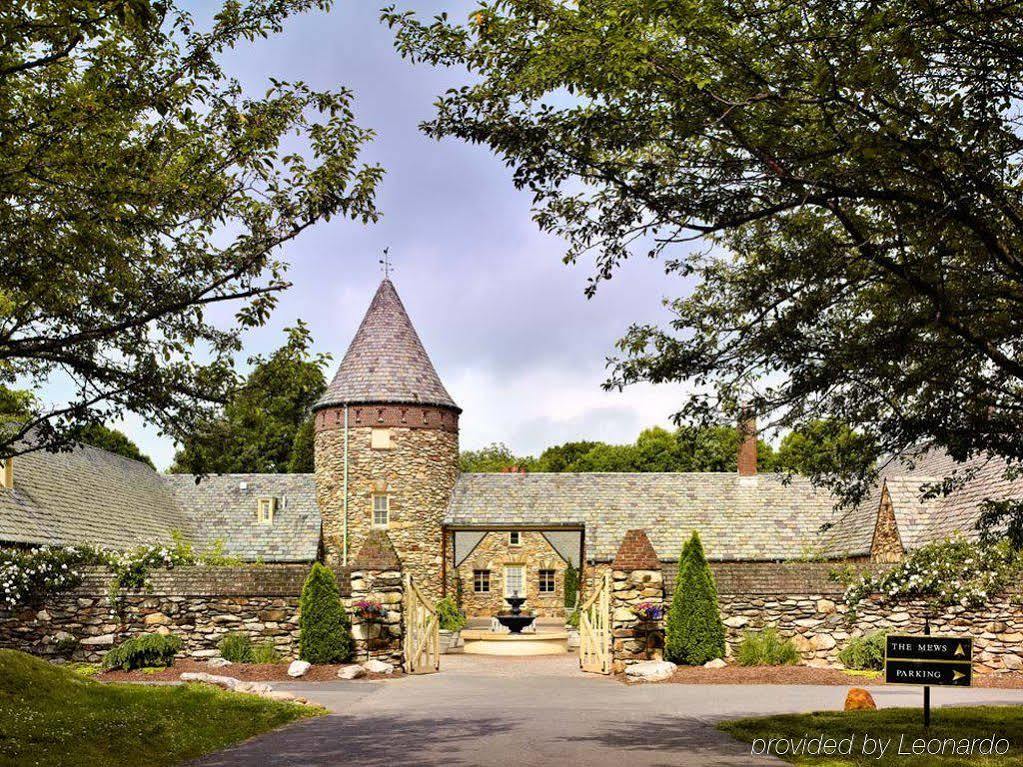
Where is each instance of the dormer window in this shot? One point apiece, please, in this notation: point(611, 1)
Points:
point(514, 538)
point(265, 510)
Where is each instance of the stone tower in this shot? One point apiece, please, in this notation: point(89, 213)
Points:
point(387, 445)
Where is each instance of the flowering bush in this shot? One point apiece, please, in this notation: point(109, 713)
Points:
point(952, 572)
point(368, 609)
point(649, 611)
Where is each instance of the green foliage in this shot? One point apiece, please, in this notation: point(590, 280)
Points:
point(571, 585)
point(57, 716)
point(147, 196)
point(65, 646)
point(451, 618)
point(766, 648)
point(944, 573)
point(573, 619)
point(266, 426)
point(303, 449)
point(492, 458)
point(236, 647)
point(843, 264)
point(142, 651)
point(112, 440)
point(265, 652)
point(864, 653)
point(694, 633)
point(325, 632)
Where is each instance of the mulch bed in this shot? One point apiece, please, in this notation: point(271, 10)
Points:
point(804, 675)
point(247, 672)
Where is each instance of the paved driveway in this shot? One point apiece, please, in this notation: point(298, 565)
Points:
point(493, 712)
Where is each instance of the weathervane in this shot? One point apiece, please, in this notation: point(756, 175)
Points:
point(385, 262)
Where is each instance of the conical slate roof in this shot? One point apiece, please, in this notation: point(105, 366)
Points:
point(386, 362)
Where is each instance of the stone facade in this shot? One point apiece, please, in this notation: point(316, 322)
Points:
point(494, 553)
point(198, 604)
point(379, 638)
point(417, 472)
point(886, 545)
point(636, 579)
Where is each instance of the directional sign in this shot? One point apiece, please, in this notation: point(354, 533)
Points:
point(937, 673)
point(928, 660)
point(941, 648)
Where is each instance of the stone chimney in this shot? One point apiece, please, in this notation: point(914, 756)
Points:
point(748, 445)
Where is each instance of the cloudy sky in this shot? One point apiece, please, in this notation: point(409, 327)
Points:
point(518, 345)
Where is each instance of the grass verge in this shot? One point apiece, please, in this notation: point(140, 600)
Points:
point(51, 716)
point(957, 732)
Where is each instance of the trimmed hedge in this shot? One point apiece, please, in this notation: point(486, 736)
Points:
point(694, 632)
point(143, 651)
point(325, 632)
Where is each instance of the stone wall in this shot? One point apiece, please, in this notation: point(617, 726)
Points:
point(493, 553)
point(198, 604)
point(417, 472)
point(378, 638)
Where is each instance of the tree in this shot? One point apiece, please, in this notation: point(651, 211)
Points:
point(492, 458)
point(840, 181)
point(260, 428)
point(303, 449)
point(823, 447)
point(571, 585)
point(694, 632)
point(324, 630)
point(114, 441)
point(561, 457)
point(142, 192)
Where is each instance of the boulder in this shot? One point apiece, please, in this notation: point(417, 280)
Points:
point(253, 688)
point(650, 671)
point(826, 606)
point(822, 641)
point(377, 667)
point(218, 663)
point(298, 668)
point(859, 699)
point(1012, 662)
point(736, 621)
point(227, 682)
point(716, 663)
point(353, 671)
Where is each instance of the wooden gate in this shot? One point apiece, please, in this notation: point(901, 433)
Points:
point(422, 632)
point(595, 628)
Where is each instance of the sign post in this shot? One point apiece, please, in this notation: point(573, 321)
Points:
point(928, 660)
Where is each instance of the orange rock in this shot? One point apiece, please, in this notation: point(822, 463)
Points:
point(859, 699)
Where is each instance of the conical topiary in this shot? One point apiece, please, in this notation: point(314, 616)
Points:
point(694, 632)
point(325, 633)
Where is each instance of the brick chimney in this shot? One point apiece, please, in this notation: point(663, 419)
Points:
point(748, 446)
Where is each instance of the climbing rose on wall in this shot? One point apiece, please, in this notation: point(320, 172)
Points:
point(325, 633)
point(694, 630)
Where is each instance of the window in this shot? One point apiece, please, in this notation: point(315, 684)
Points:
point(381, 510)
point(265, 510)
point(514, 581)
point(380, 439)
point(515, 538)
point(481, 581)
point(546, 581)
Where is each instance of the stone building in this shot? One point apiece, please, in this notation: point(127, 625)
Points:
point(386, 459)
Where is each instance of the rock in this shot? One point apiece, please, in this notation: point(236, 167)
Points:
point(650, 670)
point(157, 619)
point(898, 617)
point(802, 643)
point(206, 653)
point(227, 682)
point(859, 699)
point(42, 615)
point(218, 663)
point(716, 663)
point(299, 667)
point(103, 640)
point(377, 667)
point(61, 636)
point(822, 641)
point(285, 696)
point(253, 688)
point(825, 606)
point(1012, 662)
point(354, 671)
point(163, 630)
point(736, 622)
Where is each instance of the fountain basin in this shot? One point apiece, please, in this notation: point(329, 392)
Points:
point(492, 643)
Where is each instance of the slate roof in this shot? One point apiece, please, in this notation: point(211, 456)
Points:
point(386, 362)
point(223, 508)
point(88, 495)
point(738, 518)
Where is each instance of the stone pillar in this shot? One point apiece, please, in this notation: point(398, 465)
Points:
point(636, 579)
point(377, 578)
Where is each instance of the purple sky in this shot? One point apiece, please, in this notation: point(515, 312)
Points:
point(506, 323)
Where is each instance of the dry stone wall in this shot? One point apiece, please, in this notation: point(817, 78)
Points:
point(378, 637)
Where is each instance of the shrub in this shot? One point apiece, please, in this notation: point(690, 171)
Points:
point(766, 648)
point(265, 653)
point(65, 646)
point(573, 619)
point(571, 586)
point(236, 647)
point(325, 633)
point(864, 653)
point(694, 632)
point(451, 618)
point(143, 650)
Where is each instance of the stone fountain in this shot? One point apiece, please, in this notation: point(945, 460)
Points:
point(514, 621)
point(514, 642)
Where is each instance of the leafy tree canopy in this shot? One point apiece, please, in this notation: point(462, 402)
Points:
point(141, 188)
point(266, 426)
point(114, 441)
point(840, 180)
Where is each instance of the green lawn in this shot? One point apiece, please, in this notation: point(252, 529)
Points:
point(951, 728)
point(50, 716)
